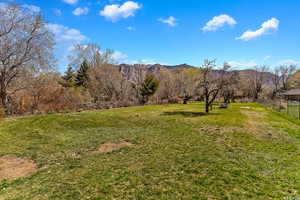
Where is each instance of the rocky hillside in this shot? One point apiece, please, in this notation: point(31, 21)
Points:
point(132, 70)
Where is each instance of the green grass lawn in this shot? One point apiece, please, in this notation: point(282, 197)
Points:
point(293, 110)
point(244, 152)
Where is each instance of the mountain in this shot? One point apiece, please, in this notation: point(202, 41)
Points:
point(133, 71)
point(153, 67)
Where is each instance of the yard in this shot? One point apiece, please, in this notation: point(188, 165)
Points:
point(153, 152)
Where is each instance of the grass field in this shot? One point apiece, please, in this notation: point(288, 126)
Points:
point(293, 110)
point(244, 152)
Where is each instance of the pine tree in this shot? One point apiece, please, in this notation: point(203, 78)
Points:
point(82, 75)
point(149, 87)
point(69, 78)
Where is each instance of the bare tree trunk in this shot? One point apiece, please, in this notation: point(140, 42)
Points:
point(255, 96)
point(3, 95)
point(207, 102)
point(206, 107)
point(185, 101)
point(3, 99)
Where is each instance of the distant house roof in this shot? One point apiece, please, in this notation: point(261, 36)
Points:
point(294, 92)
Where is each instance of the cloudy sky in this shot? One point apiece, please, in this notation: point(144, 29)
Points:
point(242, 32)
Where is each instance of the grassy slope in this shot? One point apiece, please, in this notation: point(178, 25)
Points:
point(178, 154)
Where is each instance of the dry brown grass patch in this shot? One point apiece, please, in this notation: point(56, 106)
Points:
point(110, 147)
point(12, 167)
point(220, 134)
point(256, 126)
point(213, 130)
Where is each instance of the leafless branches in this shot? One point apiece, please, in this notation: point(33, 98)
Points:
point(24, 43)
point(213, 81)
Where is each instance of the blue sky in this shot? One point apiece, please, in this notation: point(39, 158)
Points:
point(178, 31)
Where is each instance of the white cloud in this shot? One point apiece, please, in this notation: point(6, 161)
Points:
point(32, 8)
point(266, 28)
point(250, 63)
point(63, 33)
point(81, 11)
point(70, 1)
point(65, 38)
point(119, 57)
point(115, 12)
point(289, 62)
point(146, 62)
point(171, 21)
point(267, 57)
point(57, 12)
point(130, 28)
point(218, 22)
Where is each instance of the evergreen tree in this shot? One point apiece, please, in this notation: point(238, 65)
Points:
point(82, 75)
point(69, 78)
point(149, 87)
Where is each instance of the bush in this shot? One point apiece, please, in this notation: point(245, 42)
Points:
point(45, 94)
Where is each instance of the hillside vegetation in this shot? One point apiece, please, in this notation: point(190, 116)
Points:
point(175, 152)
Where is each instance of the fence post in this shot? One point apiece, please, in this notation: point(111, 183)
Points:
point(287, 106)
point(280, 104)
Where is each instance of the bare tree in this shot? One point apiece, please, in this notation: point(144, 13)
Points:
point(167, 91)
point(24, 42)
point(136, 77)
point(276, 79)
point(229, 90)
point(108, 85)
point(92, 53)
point(187, 81)
point(257, 79)
point(212, 81)
point(294, 80)
point(286, 72)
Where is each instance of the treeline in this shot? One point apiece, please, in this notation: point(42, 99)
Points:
point(29, 83)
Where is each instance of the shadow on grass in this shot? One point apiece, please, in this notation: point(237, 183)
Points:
point(188, 114)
